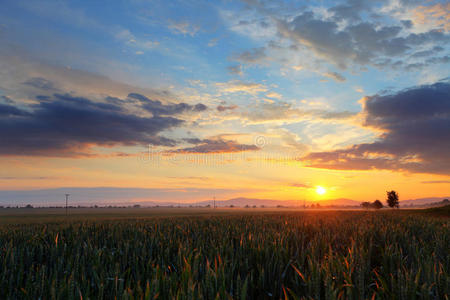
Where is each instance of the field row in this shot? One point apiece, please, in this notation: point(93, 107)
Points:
point(326, 255)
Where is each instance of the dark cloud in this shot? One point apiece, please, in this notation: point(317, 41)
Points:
point(252, 56)
point(7, 110)
point(349, 10)
point(66, 125)
point(438, 60)
point(235, 70)
point(156, 107)
point(425, 53)
point(225, 107)
point(6, 99)
point(416, 133)
point(407, 23)
point(361, 42)
point(215, 146)
point(428, 62)
point(193, 141)
point(322, 36)
point(200, 107)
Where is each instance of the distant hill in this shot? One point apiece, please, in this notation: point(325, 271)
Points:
point(242, 201)
point(444, 202)
point(106, 196)
point(339, 202)
point(422, 201)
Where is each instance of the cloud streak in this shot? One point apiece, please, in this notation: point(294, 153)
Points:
point(335, 76)
point(237, 86)
point(217, 145)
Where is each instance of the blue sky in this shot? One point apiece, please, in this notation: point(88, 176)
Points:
point(162, 43)
point(212, 77)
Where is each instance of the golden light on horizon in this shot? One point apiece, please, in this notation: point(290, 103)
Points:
point(320, 190)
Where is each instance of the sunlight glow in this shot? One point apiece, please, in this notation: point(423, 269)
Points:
point(320, 190)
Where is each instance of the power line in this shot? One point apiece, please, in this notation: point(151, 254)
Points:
point(67, 200)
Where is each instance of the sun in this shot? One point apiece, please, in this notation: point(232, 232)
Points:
point(320, 190)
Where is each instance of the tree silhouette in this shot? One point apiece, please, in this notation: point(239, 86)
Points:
point(392, 199)
point(365, 205)
point(377, 204)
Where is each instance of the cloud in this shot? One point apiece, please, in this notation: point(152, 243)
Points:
point(41, 83)
point(235, 70)
point(351, 35)
point(237, 86)
point(300, 185)
point(436, 16)
point(157, 108)
point(24, 77)
point(287, 113)
point(425, 53)
point(27, 178)
point(252, 56)
point(8, 111)
point(414, 135)
point(349, 10)
point(6, 99)
point(362, 43)
point(320, 36)
point(217, 145)
point(213, 42)
point(435, 181)
point(290, 140)
point(67, 125)
point(130, 39)
point(184, 28)
point(274, 95)
point(335, 76)
point(221, 108)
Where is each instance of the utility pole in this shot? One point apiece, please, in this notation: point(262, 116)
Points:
point(214, 201)
point(67, 200)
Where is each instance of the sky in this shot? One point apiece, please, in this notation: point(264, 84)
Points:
point(187, 100)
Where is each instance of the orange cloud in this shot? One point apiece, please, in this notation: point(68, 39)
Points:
point(236, 86)
point(437, 15)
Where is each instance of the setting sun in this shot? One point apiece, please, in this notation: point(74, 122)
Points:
point(320, 190)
